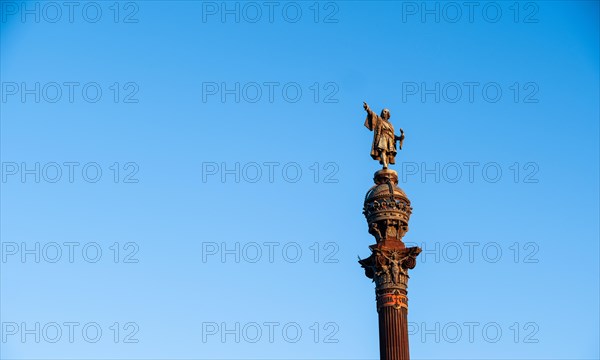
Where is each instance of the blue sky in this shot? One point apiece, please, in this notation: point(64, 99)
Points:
point(185, 179)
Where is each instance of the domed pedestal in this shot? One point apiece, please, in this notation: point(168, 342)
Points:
point(387, 209)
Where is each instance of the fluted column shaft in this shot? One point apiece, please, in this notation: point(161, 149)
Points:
point(393, 330)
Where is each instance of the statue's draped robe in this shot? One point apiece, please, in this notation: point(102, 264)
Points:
point(383, 137)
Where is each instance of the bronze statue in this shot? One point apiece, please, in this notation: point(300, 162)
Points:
point(384, 139)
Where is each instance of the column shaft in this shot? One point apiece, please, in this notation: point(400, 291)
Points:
point(393, 334)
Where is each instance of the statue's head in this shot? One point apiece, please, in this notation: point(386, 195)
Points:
point(385, 113)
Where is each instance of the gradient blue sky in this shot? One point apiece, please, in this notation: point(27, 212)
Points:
point(177, 210)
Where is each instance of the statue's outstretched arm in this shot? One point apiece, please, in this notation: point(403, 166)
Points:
point(367, 108)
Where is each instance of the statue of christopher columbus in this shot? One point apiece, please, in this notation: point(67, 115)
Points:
point(384, 139)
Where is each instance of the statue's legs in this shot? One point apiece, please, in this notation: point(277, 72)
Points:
point(384, 160)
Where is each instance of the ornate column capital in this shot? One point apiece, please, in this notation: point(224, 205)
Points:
point(388, 267)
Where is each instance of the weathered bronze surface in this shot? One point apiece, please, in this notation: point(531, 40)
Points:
point(387, 210)
point(384, 138)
